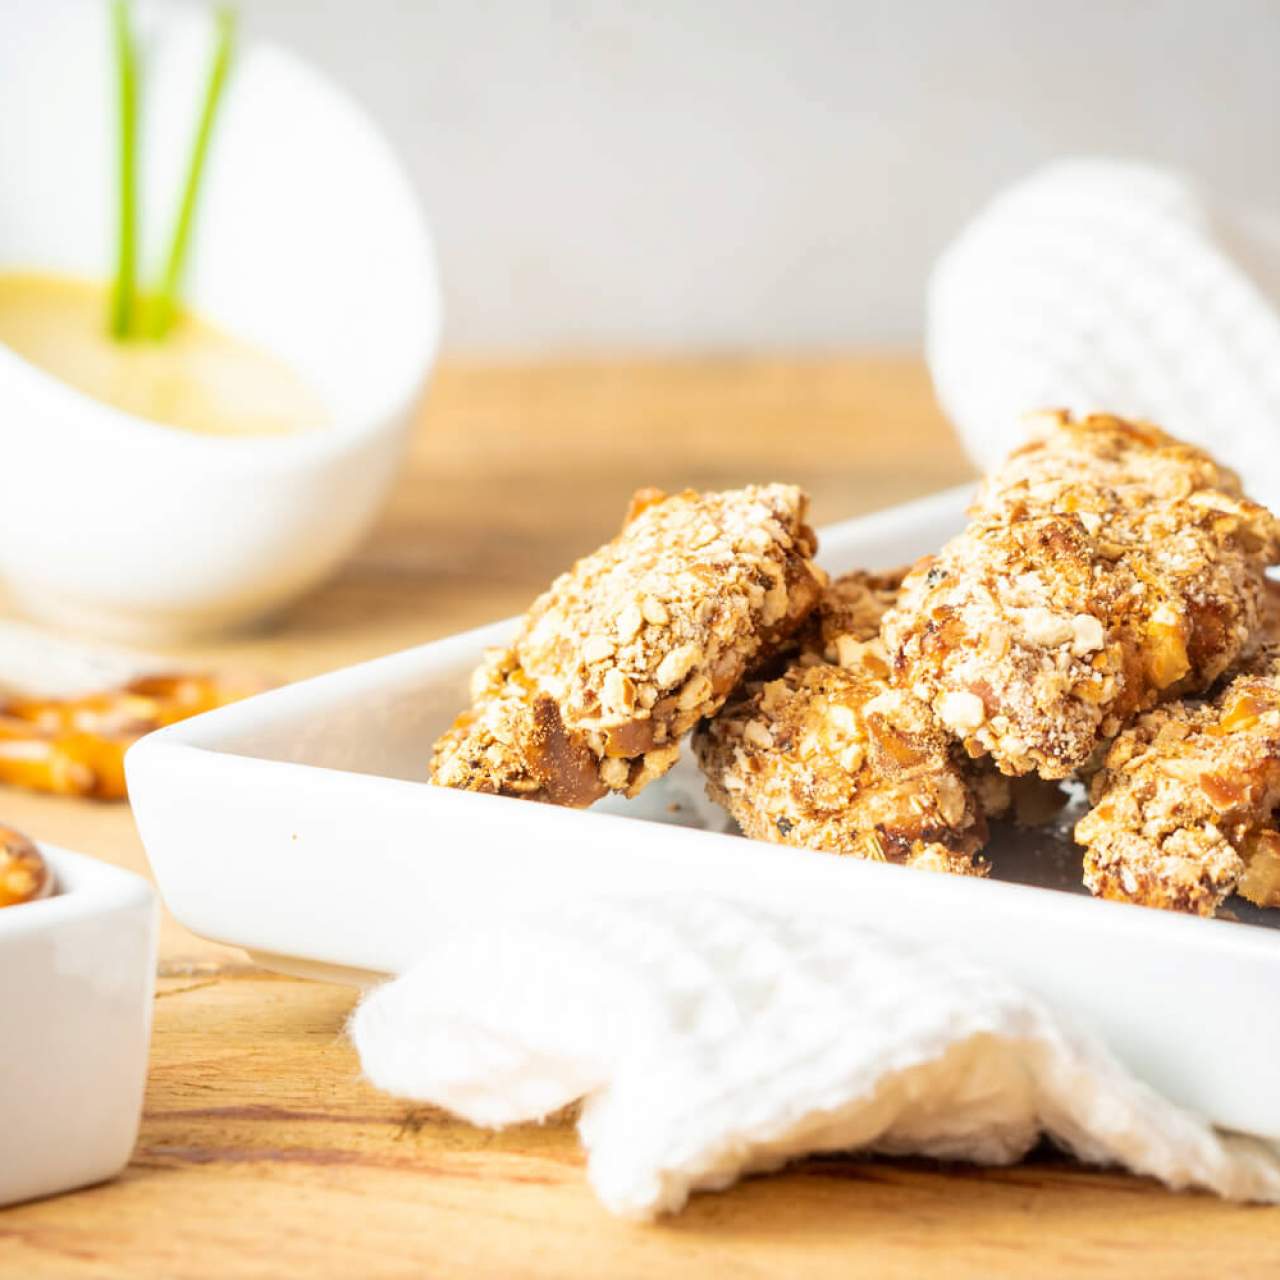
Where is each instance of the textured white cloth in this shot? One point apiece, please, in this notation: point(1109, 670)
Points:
point(39, 663)
point(710, 1040)
point(1104, 285)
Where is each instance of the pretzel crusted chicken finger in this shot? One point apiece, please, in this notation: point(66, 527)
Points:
point(830, 756)
point(1105, 567)
point(634, 645)
point(1185, 805)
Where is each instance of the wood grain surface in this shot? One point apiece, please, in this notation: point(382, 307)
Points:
point(262, 1153)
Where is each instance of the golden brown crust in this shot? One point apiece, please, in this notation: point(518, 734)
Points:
point(1105, 567)
point(1184, 806)
point(844, 630)
point(1269, 627)
point(76, 746)
point(512, 742)
point(635, 644)
point(24, 874)
point(829, 756)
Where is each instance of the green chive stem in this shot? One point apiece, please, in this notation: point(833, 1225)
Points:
point(124, 291)
point(161, 313)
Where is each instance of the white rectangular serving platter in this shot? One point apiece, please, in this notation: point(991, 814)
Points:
point(299, 826)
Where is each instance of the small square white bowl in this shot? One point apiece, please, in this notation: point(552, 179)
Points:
point(77, 980)
point(299, 825)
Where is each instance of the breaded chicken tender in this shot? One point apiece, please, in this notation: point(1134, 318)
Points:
point(634, 645)
point(1185, 806)
point(1269, 627)
point(830, 756)
point(1106, 567)
point(844, 630)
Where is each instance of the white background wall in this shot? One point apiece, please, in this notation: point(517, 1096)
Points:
point(725, 175)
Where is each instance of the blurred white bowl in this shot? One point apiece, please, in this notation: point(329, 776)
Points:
point(310, 243)
point(77, 973)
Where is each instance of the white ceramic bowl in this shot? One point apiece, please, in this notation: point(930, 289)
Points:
point(310, 243)
point(77, 977)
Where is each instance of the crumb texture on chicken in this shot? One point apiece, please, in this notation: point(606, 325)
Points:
point(634, 645)
point(512, 742)
point(830, 756)
point(844, 629)
point(1106, 567)
point(1185, 804)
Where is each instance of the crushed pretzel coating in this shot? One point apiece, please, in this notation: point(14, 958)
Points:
point(1185, 804)
point(512, 742)
point(634, 645)
point(844, 630)
point(830, 756)
point(1106, 567)
point(1269, 624)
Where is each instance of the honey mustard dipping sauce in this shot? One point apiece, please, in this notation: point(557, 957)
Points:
point(198, 379)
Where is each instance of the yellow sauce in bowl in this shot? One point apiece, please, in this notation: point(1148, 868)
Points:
point(198, 379)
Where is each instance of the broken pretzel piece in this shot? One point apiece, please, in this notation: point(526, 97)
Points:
point(76, 746)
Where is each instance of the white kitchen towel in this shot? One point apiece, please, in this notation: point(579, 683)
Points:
point(38, 663)
point(709, 1040)
point(1106, 285)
